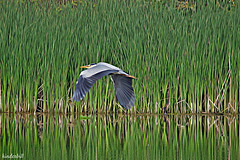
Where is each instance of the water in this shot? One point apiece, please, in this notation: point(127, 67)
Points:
point(31, 136)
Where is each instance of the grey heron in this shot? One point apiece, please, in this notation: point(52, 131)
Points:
point(121, 80)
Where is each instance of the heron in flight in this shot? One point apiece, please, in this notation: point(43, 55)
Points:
point(121, 80)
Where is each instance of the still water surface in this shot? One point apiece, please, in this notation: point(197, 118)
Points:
point(31, 136)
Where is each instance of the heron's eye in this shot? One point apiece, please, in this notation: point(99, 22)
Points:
point(92, 64)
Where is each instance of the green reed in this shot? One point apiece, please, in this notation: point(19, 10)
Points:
point(185, 55)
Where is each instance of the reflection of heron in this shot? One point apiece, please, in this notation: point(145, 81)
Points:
point(121, 80)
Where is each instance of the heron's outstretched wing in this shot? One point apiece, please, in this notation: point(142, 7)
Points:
point(85, 83)
point(124, 90)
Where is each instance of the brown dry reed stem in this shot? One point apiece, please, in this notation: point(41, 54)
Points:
point(229, 67)
point(0, 94)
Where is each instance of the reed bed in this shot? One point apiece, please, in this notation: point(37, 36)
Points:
point(184, 54)
point(119, 137)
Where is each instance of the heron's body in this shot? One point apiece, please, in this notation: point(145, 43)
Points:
point(121, 80)
point(100, 67)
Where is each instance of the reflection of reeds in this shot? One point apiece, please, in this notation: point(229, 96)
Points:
point(185, 55)
point(149, 137)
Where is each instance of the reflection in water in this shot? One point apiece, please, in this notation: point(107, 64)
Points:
point(120, 136)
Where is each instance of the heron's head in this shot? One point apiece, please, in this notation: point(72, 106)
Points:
point(88, 66)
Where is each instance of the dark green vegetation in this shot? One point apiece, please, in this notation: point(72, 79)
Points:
point(124, 137)
point(186, 56)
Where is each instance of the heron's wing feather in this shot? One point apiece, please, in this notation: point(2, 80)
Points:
point(85, 83)
point(124, 90)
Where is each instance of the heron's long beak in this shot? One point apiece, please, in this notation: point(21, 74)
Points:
point(85, 66)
